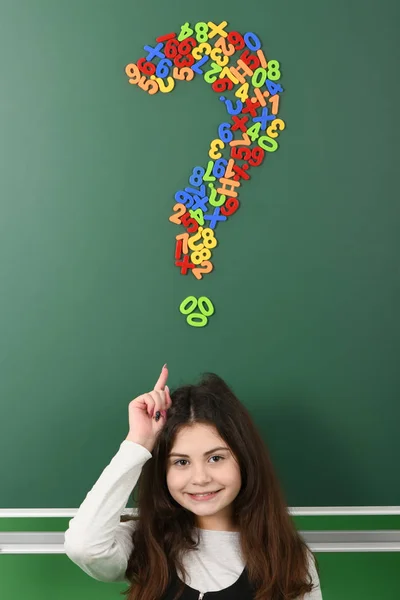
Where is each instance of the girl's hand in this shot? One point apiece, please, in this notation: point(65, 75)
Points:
point(143, 427)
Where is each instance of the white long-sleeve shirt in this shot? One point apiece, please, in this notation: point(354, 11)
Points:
point(100, 544)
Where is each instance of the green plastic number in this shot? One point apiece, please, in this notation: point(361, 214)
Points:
point(186, 31)
point(259, 77)
point(192, 320)
point(254, 131)
point(201, 30)
point(212, 197)
point(192, 301)
point(264, 140)
point(273, 70)
point(198, 215)
point(208, 174)
point(206, 306)
point(211, 75)
point(197, 319)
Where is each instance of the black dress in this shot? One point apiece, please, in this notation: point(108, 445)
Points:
point(241, 589)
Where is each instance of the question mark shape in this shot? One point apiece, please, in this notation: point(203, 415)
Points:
point(212, 194)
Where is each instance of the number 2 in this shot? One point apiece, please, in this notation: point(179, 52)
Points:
point(180, 210)
point(206, 267)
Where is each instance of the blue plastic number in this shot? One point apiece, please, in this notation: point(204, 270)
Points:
point(214, 218)
point(252, 41)
point(264, 118)
point(200, 192)
point(273, 88)
point(229, 106)
point(196, 178)
point(224, 133)
point(200, 203)
point(220, 167)
point(163, 68)
point(200, 63)
point(184, 198)
point(152, 52)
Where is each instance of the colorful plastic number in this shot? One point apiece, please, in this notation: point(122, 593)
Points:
point(186, 31)
point(250, 129)
point(188, 304)
point(214, 147)
point(205, 306)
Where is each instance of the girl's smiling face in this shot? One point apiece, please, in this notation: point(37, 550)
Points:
point(200, 461)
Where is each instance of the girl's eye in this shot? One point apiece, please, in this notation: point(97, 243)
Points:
point(221, 457)
point(184, 460)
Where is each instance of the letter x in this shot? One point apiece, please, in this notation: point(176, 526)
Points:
point(217, 29)
point(152, 52)
point(239, 123)
point(200, 203)
point(214, 218)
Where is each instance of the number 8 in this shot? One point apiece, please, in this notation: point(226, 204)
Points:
point(201, 30)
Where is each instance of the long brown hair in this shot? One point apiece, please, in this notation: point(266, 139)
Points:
point(275, 555)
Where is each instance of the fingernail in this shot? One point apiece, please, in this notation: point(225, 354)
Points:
point(167, 388)
point(165, 366)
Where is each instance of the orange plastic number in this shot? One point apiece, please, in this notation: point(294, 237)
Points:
point(180, 210)
point(133, 73)
point(206, 267)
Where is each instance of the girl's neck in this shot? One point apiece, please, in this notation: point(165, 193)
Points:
point(228, 529)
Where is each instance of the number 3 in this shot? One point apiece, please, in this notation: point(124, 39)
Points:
point(215, 144)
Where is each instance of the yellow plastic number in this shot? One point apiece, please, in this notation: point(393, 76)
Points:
point(276, 124)
point(165, 89)
point(209, 237)
point(213, 152)
point(198, 256)
point(194, 238)
point(201, 49)
point(221, 61)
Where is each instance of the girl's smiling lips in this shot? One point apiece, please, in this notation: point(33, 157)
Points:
point(207, 496)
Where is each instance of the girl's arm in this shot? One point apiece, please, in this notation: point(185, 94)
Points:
point(96, 541)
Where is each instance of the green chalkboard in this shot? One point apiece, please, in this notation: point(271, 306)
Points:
point(351, 576)
point(305, 282)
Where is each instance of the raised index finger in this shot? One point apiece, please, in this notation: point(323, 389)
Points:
point(162, 380)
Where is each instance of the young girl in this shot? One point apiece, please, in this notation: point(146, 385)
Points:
point(212, 522)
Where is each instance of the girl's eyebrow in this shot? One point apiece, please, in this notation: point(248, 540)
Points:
point(205, 453)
